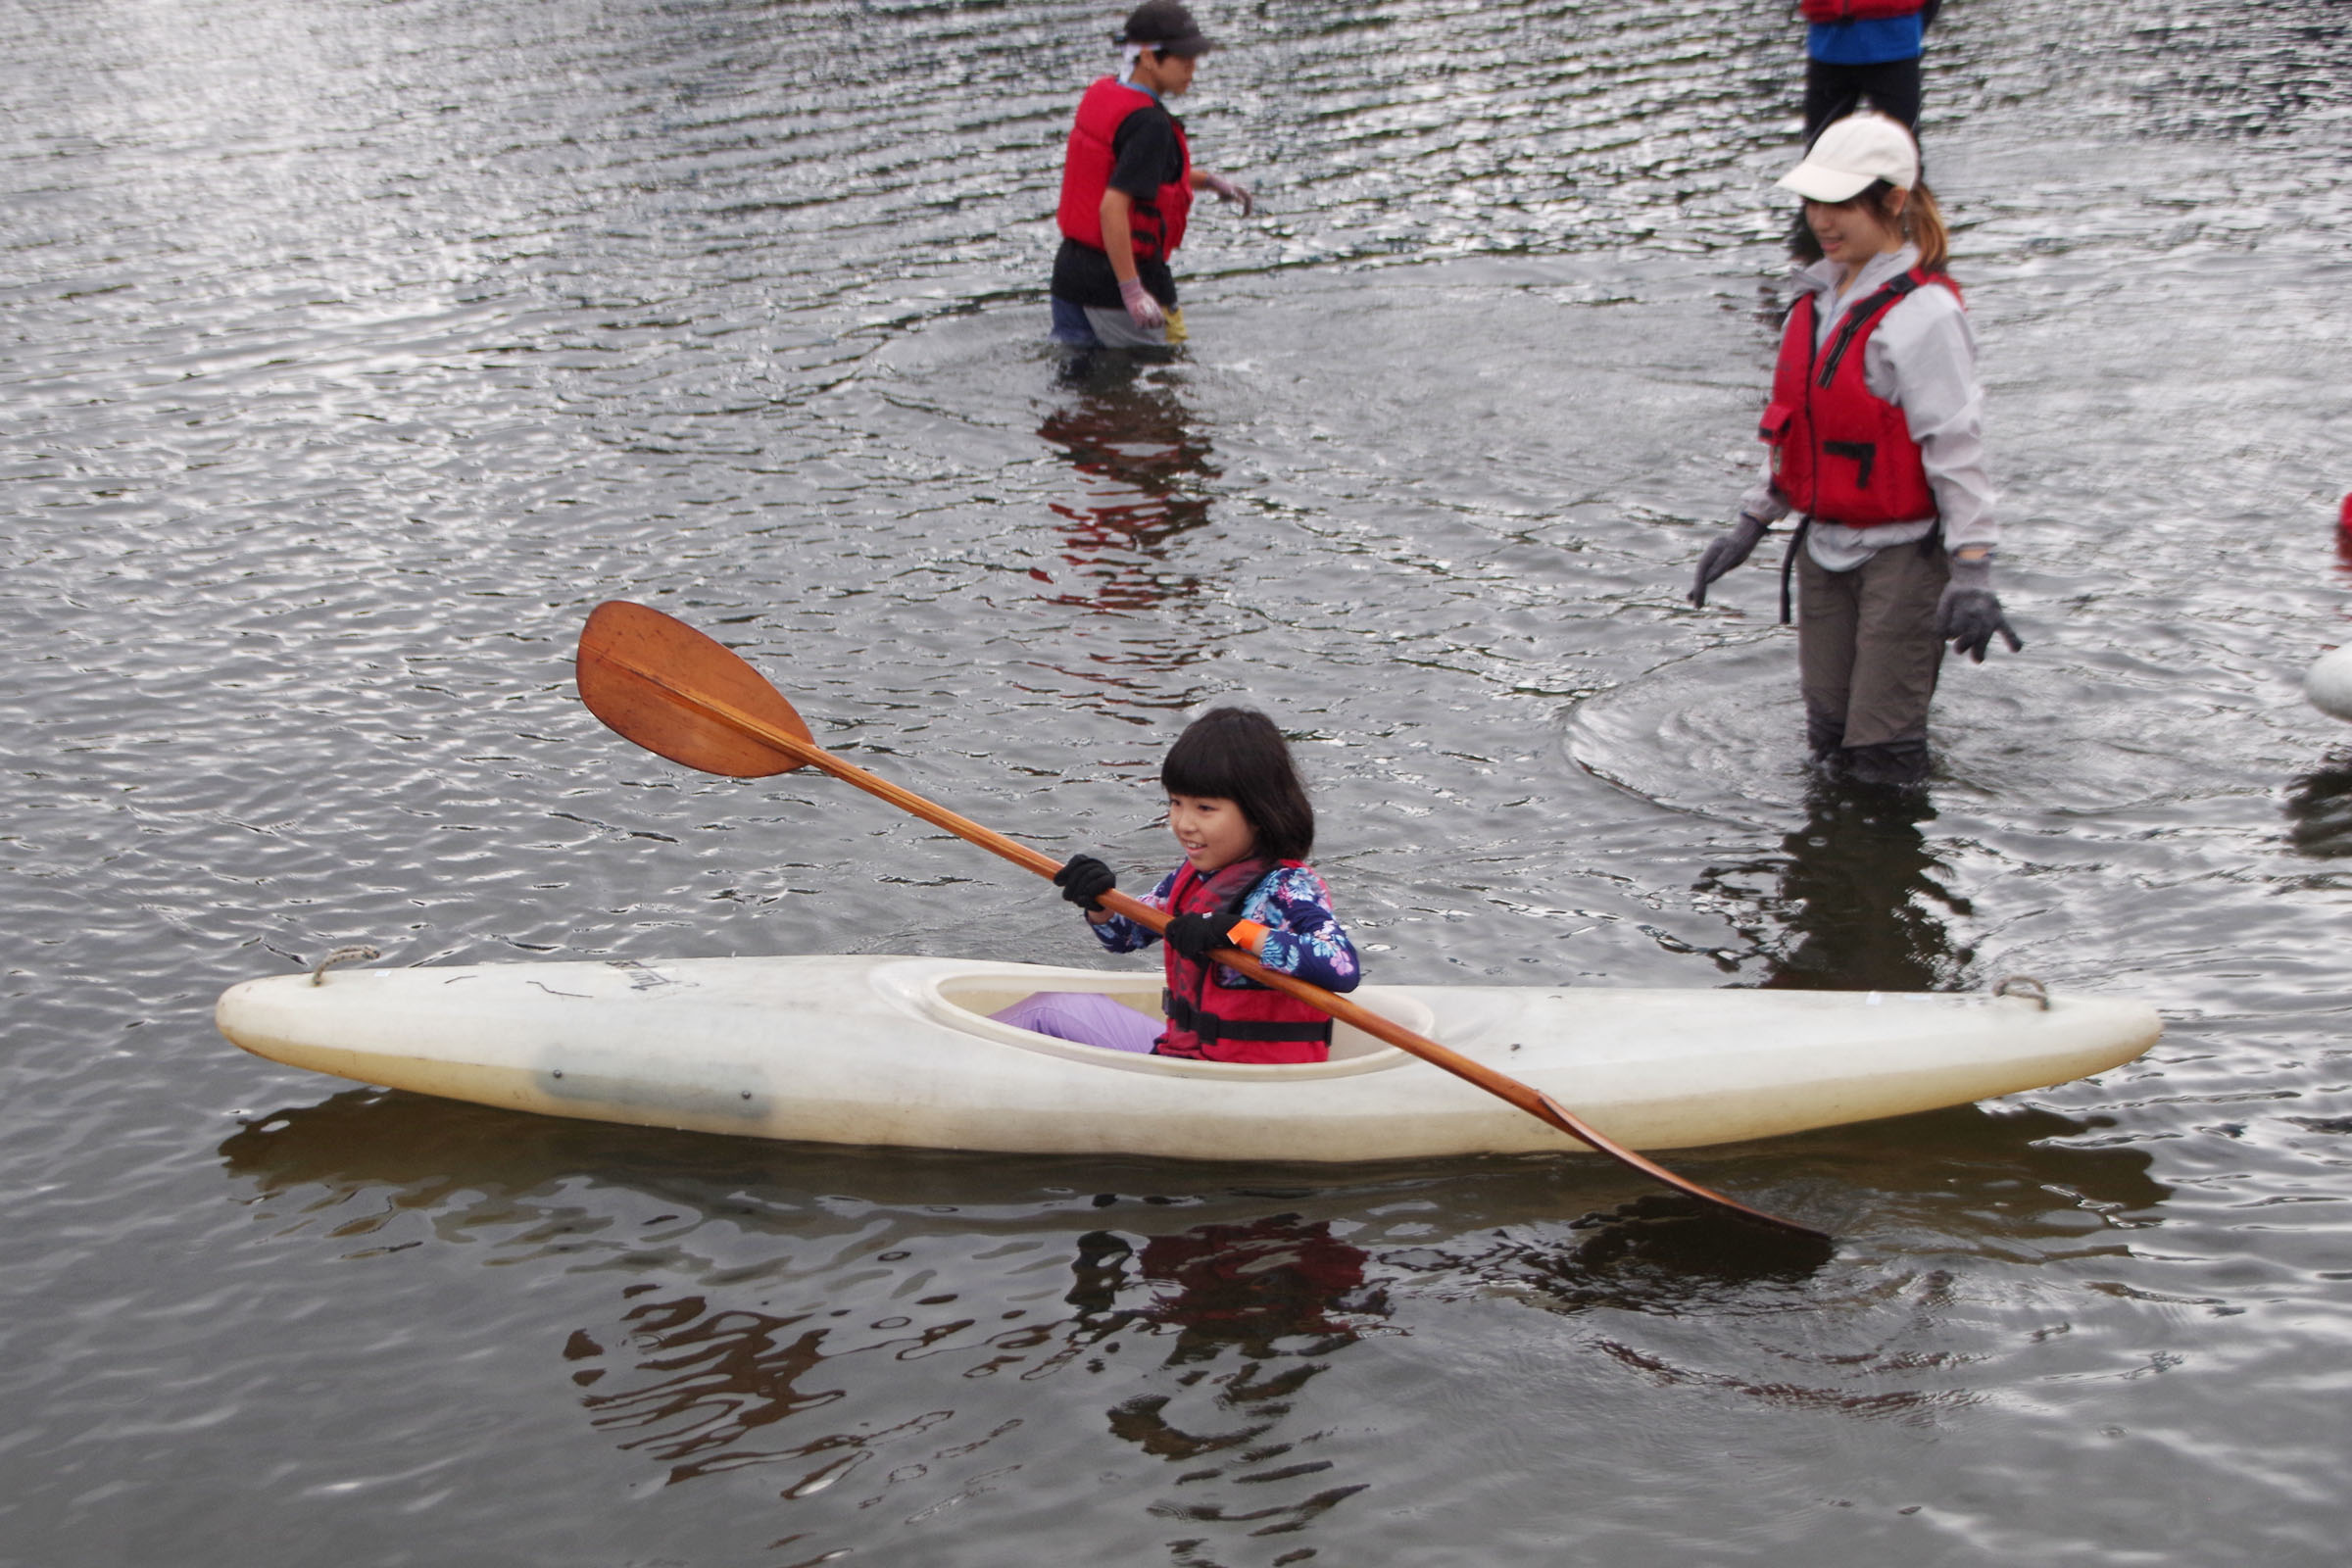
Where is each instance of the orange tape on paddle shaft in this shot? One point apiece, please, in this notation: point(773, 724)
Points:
point(1248, 936)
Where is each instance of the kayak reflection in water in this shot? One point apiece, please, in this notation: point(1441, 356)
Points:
point(1240, 811)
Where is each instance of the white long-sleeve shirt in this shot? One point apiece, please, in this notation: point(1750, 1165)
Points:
point(1923, 359)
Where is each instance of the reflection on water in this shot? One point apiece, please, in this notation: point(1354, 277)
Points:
point(1141, 462)
point(1281, 1293)
point(828, 1342)
point(695, 1381)
point(1668, 1258)
point(1144, 478)
point(1857, 901)
point(361, 1158)
point(705, 1384)
point(357, 349)
point(2318, 811)
point(2019, 1177)
point(709, 1369)
point(1248, 1286)
point(1659, 1253)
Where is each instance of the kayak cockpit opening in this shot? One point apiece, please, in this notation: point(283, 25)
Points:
point(972, 1004)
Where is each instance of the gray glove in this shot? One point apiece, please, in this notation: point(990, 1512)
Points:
point(1230, 190)
point(1968, 615)
point(1726, 552)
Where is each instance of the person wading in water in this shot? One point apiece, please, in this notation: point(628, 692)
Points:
point(1874, 436)
point(1127, 183)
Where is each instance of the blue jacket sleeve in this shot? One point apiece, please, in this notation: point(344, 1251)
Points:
point(1303, 935)
point(1122, 935)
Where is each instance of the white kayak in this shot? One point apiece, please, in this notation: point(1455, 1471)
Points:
point(2328, 685)
point(901, 1050)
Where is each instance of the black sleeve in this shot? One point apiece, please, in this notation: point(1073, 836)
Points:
point(1145, 147)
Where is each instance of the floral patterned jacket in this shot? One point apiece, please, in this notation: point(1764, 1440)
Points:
point(1303, 936)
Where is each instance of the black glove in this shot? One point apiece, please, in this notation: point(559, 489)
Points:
point(1969, 613)
point(1725, 552)
point(1197, 935)
point(1084, 881)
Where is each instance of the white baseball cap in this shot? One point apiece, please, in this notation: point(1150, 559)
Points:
point(1852, 156)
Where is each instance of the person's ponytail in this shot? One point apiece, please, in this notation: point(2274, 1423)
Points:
point(1923, 227)
point(1919, 222)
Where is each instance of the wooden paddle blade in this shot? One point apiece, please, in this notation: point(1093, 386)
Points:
point(639, 670)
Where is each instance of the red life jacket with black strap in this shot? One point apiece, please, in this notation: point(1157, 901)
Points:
point(1156, 225)
point(1247, 1022)
point(1858, 10)
point(1841, 452)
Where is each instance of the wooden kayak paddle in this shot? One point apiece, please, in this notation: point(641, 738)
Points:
point(675, 692)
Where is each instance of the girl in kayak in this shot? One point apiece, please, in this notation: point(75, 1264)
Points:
point(1240, 815)
point(1874, 437)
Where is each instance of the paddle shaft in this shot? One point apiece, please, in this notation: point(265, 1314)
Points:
point(1534, 1102)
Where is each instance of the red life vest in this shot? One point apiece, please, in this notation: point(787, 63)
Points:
point(1841, 452)
point(1155, 225)
point(1210, 1022)
point(1858, 10)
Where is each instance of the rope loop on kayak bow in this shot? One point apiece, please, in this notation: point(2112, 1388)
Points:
point(2023, 984)
point(356, 953)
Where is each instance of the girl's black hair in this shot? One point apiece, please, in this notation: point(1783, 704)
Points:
point(1236, 753)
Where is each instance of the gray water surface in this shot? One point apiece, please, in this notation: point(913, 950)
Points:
point(355, 348)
